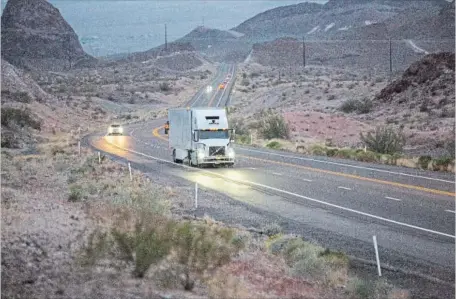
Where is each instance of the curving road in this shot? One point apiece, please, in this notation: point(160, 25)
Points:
point(340, 204)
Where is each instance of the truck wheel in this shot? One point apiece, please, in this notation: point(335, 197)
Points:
point(174, 156)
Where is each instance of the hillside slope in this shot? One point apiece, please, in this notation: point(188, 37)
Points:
point(35, 36)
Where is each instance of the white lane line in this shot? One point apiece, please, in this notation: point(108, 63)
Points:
point(396, 199)
point(292, 194)
point(348, 165)
point(277, 173)
point(454, 212)
point(345, 188)
point(306, 180)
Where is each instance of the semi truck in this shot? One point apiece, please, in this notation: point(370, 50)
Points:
point(201, 136)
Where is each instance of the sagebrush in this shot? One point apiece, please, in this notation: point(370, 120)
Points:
point(384, 140)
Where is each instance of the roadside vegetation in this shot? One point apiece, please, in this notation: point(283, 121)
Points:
point(134, 236)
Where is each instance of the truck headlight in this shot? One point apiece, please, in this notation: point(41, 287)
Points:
point(121, 130)
point(200, 155)
point(231, 153)
point(110, 130)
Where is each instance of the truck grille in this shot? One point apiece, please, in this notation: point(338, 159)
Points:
point(216, 151)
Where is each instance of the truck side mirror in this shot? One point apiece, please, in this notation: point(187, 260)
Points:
point(233, 136)
point(195, 136)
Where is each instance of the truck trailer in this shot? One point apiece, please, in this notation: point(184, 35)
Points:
point(201, 136)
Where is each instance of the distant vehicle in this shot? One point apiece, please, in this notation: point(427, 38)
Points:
point(167, 127)
point(115, 129)
point(201, 136)
point(222, 86)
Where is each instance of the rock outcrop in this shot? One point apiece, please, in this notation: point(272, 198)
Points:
point(35, 36)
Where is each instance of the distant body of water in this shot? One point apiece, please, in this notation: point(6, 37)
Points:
point(108, 27)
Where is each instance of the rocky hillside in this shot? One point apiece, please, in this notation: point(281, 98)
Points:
point(366, 56)
point(333, 19)
point(35, 36)
point(429, 77)
point(437, 26)
point(219, 45)
point(422, 100)
point(15, 82)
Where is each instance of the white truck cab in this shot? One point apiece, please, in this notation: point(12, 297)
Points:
point(201, 136)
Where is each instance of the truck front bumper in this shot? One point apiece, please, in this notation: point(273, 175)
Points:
point(216, 160)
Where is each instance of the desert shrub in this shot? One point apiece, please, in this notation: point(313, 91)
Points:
point(424, 107)
point(202, 247)
point(20, 117)
point(55, 150)
point(332, 152)
point(384, 140)
point(346, 153)
point(360, 106)
point(331, 97)
point(311, 261)
point(8, 140)
point(244, 75)
point(272, 229)
point(245, 82)
point(364, 106)
point(446, 113)
point(318, 150)
point(274, 145)
point(164, 86)
point(274, 126)
point(423, 161)
point(76, 193)
point(349, 106)
point(442, 161)
point(366, 289)
point(254, 74)
point(367, 156)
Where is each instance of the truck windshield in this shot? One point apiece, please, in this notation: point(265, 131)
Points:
point(213, 135)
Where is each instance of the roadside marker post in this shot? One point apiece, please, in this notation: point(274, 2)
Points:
point(196, 195)
point(129, 170)
point(99, 158)
point(376, 256)
point(79, 148)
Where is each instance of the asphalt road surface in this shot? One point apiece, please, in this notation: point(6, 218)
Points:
point(338, 203)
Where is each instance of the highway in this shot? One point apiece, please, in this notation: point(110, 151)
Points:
point(338, 203)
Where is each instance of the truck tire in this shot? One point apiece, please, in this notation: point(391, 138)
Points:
point(175, 160)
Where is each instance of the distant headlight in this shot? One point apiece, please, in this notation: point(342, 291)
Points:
point(231, 153)
point(201, 155)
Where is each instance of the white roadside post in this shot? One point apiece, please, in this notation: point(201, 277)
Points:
point(377, 257)
point(79, 147)
point(196, 195)
point(365, 149)
point(99, 158)
point(129, 169)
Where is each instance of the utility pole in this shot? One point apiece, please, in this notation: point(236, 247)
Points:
point(390, 60)
point(166, 38)
point(303, 52)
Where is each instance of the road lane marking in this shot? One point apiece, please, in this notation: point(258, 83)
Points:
point(454, 212)
point(348, 165)
point(396, 199)
point(307, 180)
point(291, 193)
point(277, 173)
point(345, 188)
point(352, 176)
